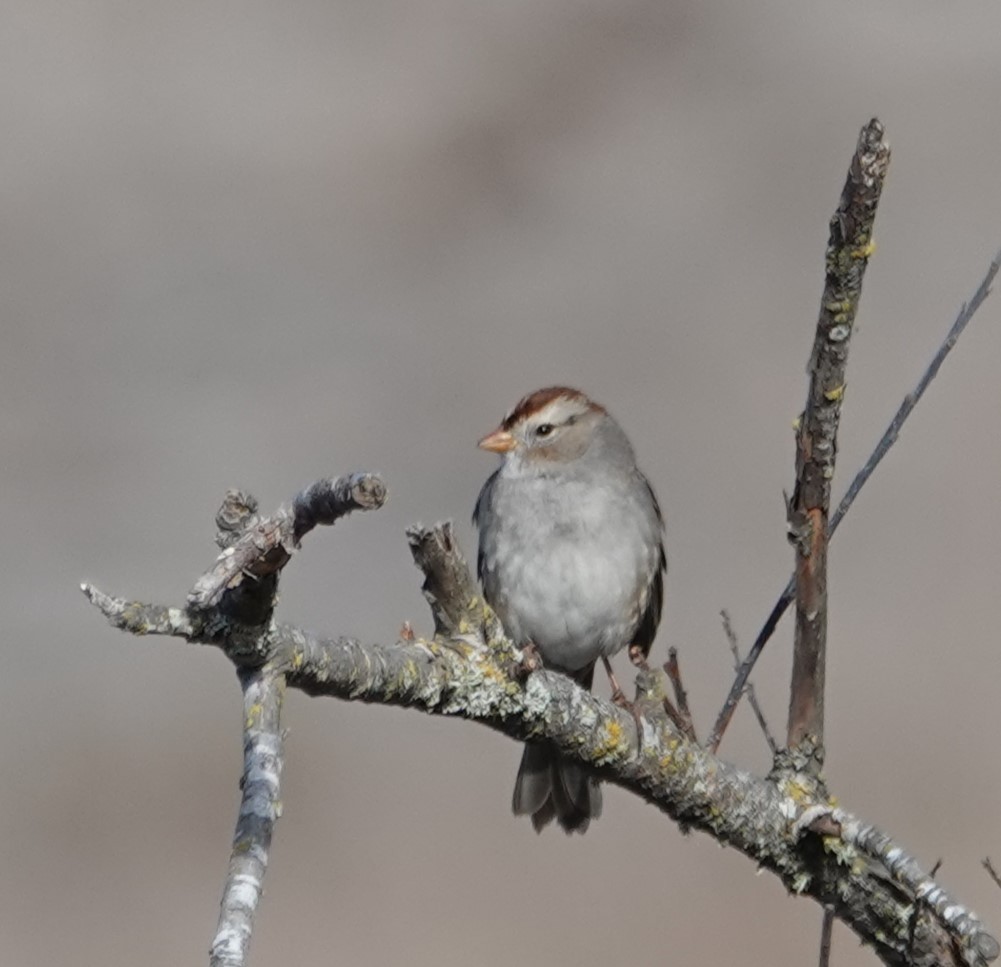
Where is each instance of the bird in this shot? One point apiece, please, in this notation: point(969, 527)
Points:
point(571, 559)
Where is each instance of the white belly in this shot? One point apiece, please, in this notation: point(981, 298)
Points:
point(572, 587)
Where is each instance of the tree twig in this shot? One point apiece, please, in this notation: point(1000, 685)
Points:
point(891, 433)
point(826, 929)
point(848, 252)
point(887, 440)
point(243, 579)
point(752, 697)
point(684, 713)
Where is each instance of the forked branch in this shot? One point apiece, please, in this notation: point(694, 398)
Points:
point(886, 441)
point(474, 672)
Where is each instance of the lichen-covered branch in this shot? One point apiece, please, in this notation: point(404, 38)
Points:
point(242, 584)
point(231, 606)
point(142, 619)
point(260, 807)
point(454, 597)
point(475, 673)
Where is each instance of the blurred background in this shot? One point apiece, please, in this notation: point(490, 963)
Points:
point(254, 244)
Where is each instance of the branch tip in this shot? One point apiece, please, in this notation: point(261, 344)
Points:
point(848, 249)
point(326, 501)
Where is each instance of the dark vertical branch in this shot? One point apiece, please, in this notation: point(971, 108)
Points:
point(684, 713)
point(889, 437)
point(848, 251)
point(826, 929)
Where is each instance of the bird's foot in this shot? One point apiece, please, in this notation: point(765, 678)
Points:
point(530, 661)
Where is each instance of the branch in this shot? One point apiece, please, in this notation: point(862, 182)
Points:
point(889, 437)
point(682, 716)
point(991, 872)
point(260, 807)
point(891, 433)
point(232, 603)
point(826, 929)
point(869, 882)
point(456, 604)
point(231, 606)
point(848, 252)
point(752, 698)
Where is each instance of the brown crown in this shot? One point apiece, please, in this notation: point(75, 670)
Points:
point(543, 397)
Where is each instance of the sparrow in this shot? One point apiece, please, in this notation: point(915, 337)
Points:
point(571, 559)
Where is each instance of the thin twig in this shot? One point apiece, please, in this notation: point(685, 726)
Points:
point(673, 714)
point(673, 670)
point(889, 437)
point(826, 929)
point(993, 873)
point(752, 697)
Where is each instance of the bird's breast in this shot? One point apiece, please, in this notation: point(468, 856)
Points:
point(565, 567)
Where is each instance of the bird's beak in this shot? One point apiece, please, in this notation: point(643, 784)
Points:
point(500, 441)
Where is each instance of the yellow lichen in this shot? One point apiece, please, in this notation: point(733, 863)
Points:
point(864, 251)
point(835, 394)
point(132, 613)
point(611, 741)
point(493, 673)
point(797, 791)
point(839, 307)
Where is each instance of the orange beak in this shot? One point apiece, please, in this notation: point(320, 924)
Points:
point(500, 441)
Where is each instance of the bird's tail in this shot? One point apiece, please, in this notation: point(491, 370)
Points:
point(550, 787)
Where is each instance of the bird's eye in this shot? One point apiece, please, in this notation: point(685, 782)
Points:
point(544, 429)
